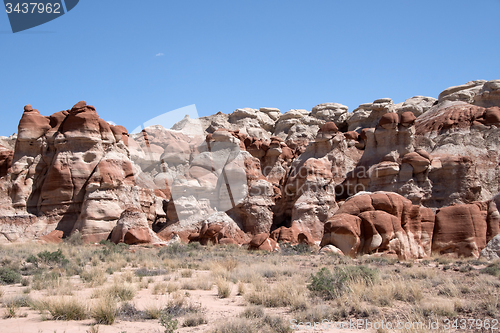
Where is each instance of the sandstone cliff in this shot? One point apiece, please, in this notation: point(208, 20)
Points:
point(403, 179)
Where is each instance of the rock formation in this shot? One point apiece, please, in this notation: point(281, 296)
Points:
point(401, 179)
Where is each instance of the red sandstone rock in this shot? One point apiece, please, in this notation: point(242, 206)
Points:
point(352, 135)
point(456, 116)
point(263, 242)
point(460, 230)
point(389, 120)
point(407, 118)
point(292, 235)
point(329, 127)
point(131, 228)
point(6, 156)
point(54, 237)
point(380, 222)
point(32, 124)
point(417, 161)
point(492, 116)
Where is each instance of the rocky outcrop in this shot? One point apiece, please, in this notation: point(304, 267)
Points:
point(133, 228)
point(264, 243)
point(492, 249)
point(332, 112)
point(70, 172)
point(429, 168)
point(463, 141)
point(464, 230)
point(380, 222)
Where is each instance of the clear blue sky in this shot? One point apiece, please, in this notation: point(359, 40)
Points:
point(134, 60)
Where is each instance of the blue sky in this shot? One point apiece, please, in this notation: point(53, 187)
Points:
point(134, 60)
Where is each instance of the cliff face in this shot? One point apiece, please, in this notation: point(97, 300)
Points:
point(71, 172)
point(403, 179)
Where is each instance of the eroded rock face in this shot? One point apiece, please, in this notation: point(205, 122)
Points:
point(332, 112)
point(132, 228)
point(289, 177)
point(463, 141)
point(70, 172)
point(464, 230)
point(380, 222)
point(263, 242)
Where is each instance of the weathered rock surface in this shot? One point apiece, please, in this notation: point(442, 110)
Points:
point(465, 230)
point(492, 249)
point(431, 168)
point(380, 222)
point(263, 242)
point(69, 172)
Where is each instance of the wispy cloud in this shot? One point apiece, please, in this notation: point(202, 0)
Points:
point(159, 54)
point(111, 122)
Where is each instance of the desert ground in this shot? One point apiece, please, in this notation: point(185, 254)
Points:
point(72, 287)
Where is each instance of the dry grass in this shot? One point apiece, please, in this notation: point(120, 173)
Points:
point(199, 283)
point(65, 308)
point(153, 311)
point(224, 287)
point(280, 294)
point(186, 273)
point(163, 288)
point(104, 312)
point(195, 319)
point(121, 292)
point(434, 288)
point(94, 277)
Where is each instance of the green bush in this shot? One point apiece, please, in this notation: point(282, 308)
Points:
point(9, 276)
point(492, 269)
point(175, 251)
point(330, 286)
point(299, 249)
point(110, 248)
point(56, 257)
point(168, 323)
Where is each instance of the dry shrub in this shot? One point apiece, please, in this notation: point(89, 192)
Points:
point(449, 288)
point(237, 325)
point(279, 294)
point(420, 273)
point(65, 308)
point(187, 273)
point(104, 312)
point(437, 306)
point(121, 292)
point(199, 283)
point(241, 288)
point(94, 277)
point(224, 288)
point(491, 303)
point(253, 312)
point(385, 293)
point(153, 311)
point(195, 319)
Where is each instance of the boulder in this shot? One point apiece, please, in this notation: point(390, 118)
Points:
point(462, 230)
point(263, 242)
point(380, 222)
point(132, 228)
point(492, 249)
